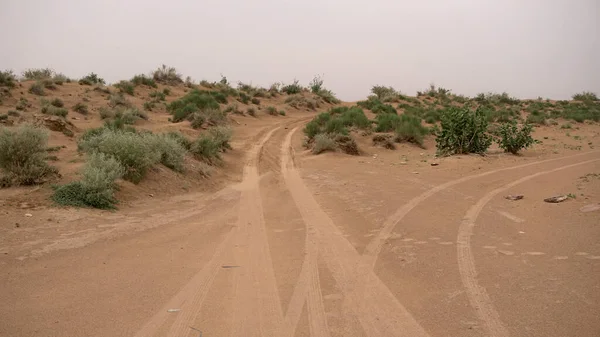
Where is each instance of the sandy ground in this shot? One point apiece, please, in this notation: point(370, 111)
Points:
point(382, 244)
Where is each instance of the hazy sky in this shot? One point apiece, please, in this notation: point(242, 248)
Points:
point(528, 48)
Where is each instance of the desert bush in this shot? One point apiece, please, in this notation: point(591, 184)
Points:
point(354, 117)
point(91, 79)
point(251, 111)
point(205, 148)
point(271, 110)
point(409, 129)
point(385, 94)
point(347, 144)
point(244, 98)
point(148, 106)
point(97, 186)
point(197, 120)
point(180, 138)
point(38, 74)
point(323, 143)
point(54, 111)
point(143, 80)
point(274, 88)
point(384, 141)
point(166, 91)
point(316, 85)
point(3, 117)
point(118, 100)
point(512, 139)
point(585, 96)
point(57, 102)
point(23, 155)
point(60, 79)
point(537, 117)
point(233, 108)
point(282, 112)
point(126, 87)
point(48, 84)
point(328, 96)
point(7, 79)
point(37, 88)
point(136, 152)
point(383, 108)
point(214, 117)
point(255, 101)
point(463, 131)
point(158, 95)
point(172, 152)
point(293, 88)
point(190, 103)
point(13, 113)
point(387, 122)
point(222, 136)
point(23, 104)
point(167, 75)
point(299, 101)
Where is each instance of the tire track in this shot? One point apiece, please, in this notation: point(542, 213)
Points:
point(377, 309)
point(193, 294)
point(373, 249)
point(478, 297)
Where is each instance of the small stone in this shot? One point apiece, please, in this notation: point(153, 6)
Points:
point(28, 215)
point(17, 225)
point(151, 195)
point(556, 199)
point(403, 163)
point(434, 164)
point(590, 208)
point(514, 197)
point(415, 172)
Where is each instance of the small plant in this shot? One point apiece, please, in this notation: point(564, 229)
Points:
point(323, 143)
point(38, 74)
point(158, 95)
point(91, 79)
point(23, 155)
point(13, 113)
point(255, 101)
point(118, 100)
point(512, 139)
point(409, 129)
point(282, 112)
point(566, 126)
point(60, 79)
point(197, 120)
point(463, 131)
point(293, 88)
point(126, 87)
point(23, 104)
point(97, 186)
point(7, 79)
point(271, 110)
point(57, 102)
point(316, 85)
point(167, 75)
point(233, 108)
point(143, 80)
point(54, 111)
point(148, 106)
point(251, 111)
point(37, 88)
point(194, 101)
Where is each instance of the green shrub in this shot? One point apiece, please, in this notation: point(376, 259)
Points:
point(126, 87)
point(3, 117)
point(244, 98)
point(566, 126)
point(346, 143)
point(97, 186)
point(167, 75)
point(7, 79)
point(585, 96)
point(91, 79)
point(316, 85)
point(180, 138)
point(335, 125)
point(60, 79)
point(312, 129)
point(37, 88)
point(255, 101)
point(38, 74)
point(205, 148)
point(23, 155)
point(143, 80)
point(383, 108)
point(134, 151)
point(463, 131)
point(197, 120)
point(233, 108)
point(57, 102)
point(282, 112)
point(54, 111)
point(158, 95)
point(354, 117)
point(387, 122)
point(148, 106)
point(512, 139)
point(293, 88)
point(537, 118)
point(13, 113)
point(118, 100)
point(271, 110)
point(23, 104)
point(328, 96)
point(323, 143)
point(190, 103)
point(172, 152)
point(409, 129)
point(222, 136)
point(251, 111)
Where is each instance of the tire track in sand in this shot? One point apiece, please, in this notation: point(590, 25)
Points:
point(192, 295)
point(377, 309)
point(373, 249)
point(478, 297)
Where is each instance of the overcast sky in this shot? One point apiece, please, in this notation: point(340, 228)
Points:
point(528, 48)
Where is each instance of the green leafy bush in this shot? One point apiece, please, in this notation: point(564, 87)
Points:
point(190, 103)
point(38, 74)
point(172, 151)
point(158, 95)
point(271, 110)
point(167, 75)
point(409, 129)
point(251, 111)
point(463, 131)
point(54, 111)
point(143, 80)
point(118, 100)
point(7, 79)
point(126, 87)
point(23, 155)
point(293, 88)
point(91, 79)
point(585, 96)
point(37, 88)
point(57, 102)
point(512, 139)
point(323, 143)
point(97, 186)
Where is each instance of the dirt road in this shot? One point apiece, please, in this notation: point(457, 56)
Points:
point(330, 245)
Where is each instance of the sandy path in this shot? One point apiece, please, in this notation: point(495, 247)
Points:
point(234, 277)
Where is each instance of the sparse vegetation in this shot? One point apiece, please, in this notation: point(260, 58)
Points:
point(48, 109)
point(208, 146)
point(167, 75)
point(585, 96)
point(7, 79)
point(92, 79)
point(126, 87)
point(300, 101)
point(194, 101)
point(57, 102)
point(23, 104)
point(37, 88)
point(323, 143)
point(118, 100)
point(292, 89)
point(23, 155)
point(38, 74)
point(251, 111)
point(143, 80)
point(271, 110)
point(463, 131)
